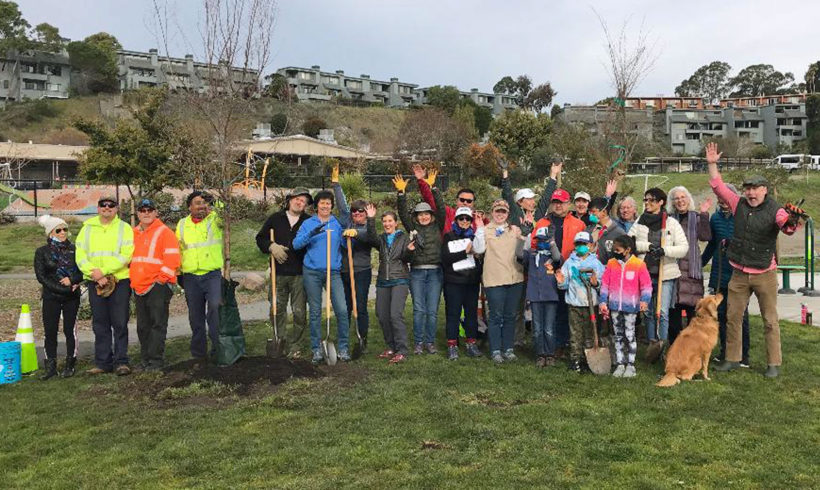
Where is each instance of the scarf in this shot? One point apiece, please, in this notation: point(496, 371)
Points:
point(390, 237)
point(694, 250)
point(62, 254)
point(651, 221)
point(460, 232)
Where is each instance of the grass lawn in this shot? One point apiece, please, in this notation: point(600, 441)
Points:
point(428, 423)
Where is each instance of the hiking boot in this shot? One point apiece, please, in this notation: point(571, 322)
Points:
point(97, 370)
point(619, 371)
point(387, 354)
point(70, 367)
point(418, 349)
point(541, 362)
point(431, 348)
point(344, 356)
point(575, 366)
point(318, 357)
point(496, 357)
point(629, 372)
point(398, 358)
point(452, 353)
point(51, 369)
point(509, 355)
point(472, 350)
point(727, 366)
point(122, 370)
point(771, 371)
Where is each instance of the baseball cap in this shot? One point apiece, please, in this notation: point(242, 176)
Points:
point(543, 232)
point(107, 198)
point(582, 195)
point(464, 211)
point(560, 195)
point(582, 237)
point(146, 203)
point(525, 193)
point(755, 181)
point(500, 204)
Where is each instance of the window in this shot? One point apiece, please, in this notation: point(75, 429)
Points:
point(354, 84)
point(5, 84)
point(54, 87)
point(303, 75)
point(404, 90)
point(330, 80)
point(55, 70)
point(28, 67)
point(34, 84)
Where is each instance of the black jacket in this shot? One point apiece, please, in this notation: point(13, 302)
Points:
point(393, 261)
point(469, 276)
point(45, 268)
point(284, 235)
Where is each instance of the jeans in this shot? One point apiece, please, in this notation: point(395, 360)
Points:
point(152, 324)
point(543, 326)
point(390, 311)
point(666, 303)
point(203, 294)
point(722, 307)
point(458, 297)
point(314, 280)
point(425, 287)
point(504, 301)
point(109, 320)
point(363, 280)
point(52, 308)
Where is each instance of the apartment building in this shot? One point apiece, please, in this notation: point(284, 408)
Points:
point(595, 119)
point(34, 75)
point(497, 103)
point(139, 69)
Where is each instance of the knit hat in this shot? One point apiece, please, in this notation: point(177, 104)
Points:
point(50, 222)
point(422, 207)
point(500, 204)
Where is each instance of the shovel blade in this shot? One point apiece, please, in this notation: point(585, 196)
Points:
point(275, 348)
point(358, 350)
point(599, 360)
point(330, 352)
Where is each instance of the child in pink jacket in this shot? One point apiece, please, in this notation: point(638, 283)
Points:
point(626, 289)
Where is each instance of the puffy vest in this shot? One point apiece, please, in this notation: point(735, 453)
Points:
point(200, 244)
point(156, 257)
point(755, 239)
point(105, 247)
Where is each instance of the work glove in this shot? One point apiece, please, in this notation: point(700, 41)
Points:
point(317, 230)
point(656, 251)
point(724, 244)
point(431, 177)
point(334, 174)
point(279, 252)
point(795, 214)
point(399, 183)
point(105, 291)
point(350, 233)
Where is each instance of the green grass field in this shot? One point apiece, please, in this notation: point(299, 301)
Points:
point(428, 423)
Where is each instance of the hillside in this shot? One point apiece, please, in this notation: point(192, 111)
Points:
point(49, 121)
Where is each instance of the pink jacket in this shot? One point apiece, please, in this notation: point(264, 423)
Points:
point(625, 286)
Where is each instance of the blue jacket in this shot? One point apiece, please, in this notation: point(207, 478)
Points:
point(316, 256)
point(723, 227)
point(541, 285)
point(576, 290)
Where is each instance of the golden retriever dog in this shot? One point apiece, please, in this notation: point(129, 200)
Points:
point(692, 349)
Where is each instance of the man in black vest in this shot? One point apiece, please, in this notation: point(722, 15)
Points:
point(758, 220)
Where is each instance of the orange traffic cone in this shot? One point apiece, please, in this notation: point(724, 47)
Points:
point(25, 335)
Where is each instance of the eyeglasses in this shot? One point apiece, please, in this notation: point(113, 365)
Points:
point(145, 210)
point(109, 205)
point(649, 199)
point(60, 230)
point(357, 210)
point(465, 200)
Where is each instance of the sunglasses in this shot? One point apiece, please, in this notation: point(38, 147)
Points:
point(465, 200)
point(109, 205)
point(145, 210)
point(500, 211)
point(357, 210)
point(60, 230)
point(464, 218)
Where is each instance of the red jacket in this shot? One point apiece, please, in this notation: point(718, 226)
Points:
point(449, 212)
point(572, 225)
point(156, 257)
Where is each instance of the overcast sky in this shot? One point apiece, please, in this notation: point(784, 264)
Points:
point(474, 43)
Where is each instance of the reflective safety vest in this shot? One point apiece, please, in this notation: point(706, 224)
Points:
point(200, 244)
point(105, 247)
point(156, 257)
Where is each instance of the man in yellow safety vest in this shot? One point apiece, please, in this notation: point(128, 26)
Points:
point(200, 242)
point(104, 248)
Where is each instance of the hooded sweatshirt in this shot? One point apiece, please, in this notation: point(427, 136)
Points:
point(576, 290)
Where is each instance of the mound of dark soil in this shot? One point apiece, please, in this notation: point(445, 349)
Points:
point(244, 373)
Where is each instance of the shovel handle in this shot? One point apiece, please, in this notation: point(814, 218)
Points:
point(327, 284)
point(592, 314)
point(352, 279)
point(272, 278)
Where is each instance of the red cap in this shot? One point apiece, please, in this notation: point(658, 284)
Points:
point(560, 195)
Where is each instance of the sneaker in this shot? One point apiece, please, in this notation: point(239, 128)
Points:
point(431, 349)
point(744, 363)
point(629, 372)
point(318, 357)
point(496, 357)
point(575, 366)
point(452, 353)
point(509, 355)
point(472, 350)
point(344, 356)
point(419, 349)
point(122, 370)
point(541, 362)
point(97, 370)
point(387, 354)
point(397, 359)
point(619, 371)
point(727, 366)
point(771, 371)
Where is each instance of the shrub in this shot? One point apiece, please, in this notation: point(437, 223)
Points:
point(279, 123)
point(354, 186)
point(169, 209)
point(244, 208)
point(312, 125)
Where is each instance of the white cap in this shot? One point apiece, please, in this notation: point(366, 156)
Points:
point(582, 236)
point(525, 193)
point(464, 211)
point(50, 222)
point(582, 195)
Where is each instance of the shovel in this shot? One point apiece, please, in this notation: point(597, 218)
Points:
point(654, 350)
point(358, 349)
point(328, 348)
point(598, 358)
point(275, 347)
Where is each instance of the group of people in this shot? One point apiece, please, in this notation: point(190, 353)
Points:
point(531, 258)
